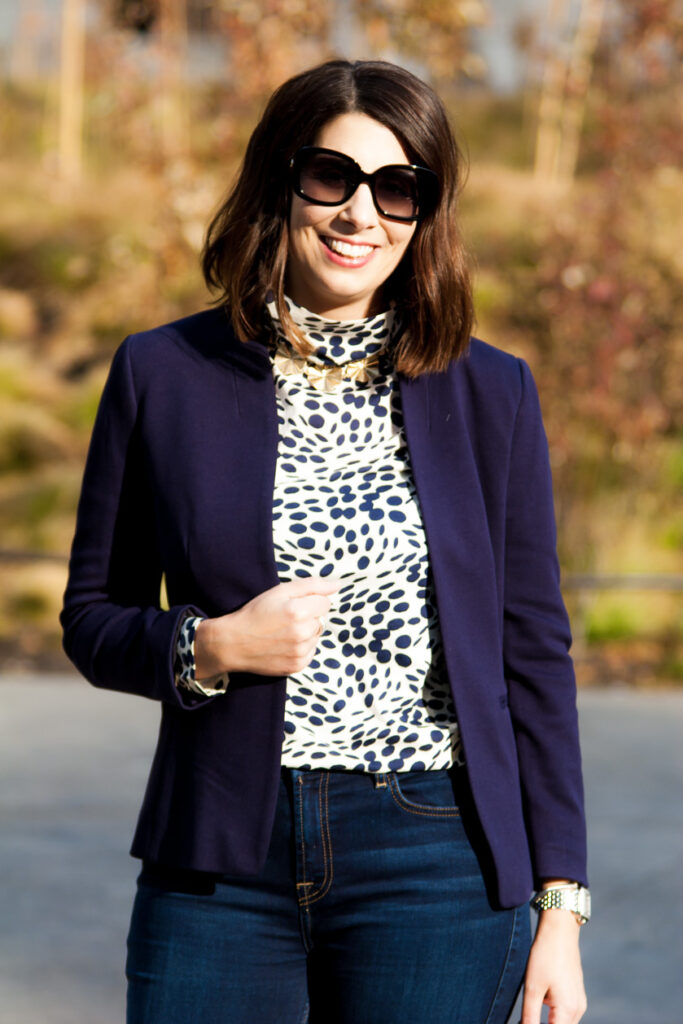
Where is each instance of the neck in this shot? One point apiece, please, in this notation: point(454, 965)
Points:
point(338, 341)
point(348, 312)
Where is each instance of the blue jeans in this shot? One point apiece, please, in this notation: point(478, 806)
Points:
point(371, 909)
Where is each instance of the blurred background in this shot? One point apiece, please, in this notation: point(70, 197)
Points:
point(122, 123)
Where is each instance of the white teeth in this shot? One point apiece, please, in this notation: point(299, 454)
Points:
point(348, 248)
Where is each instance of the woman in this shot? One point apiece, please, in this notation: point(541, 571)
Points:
point(368, 753)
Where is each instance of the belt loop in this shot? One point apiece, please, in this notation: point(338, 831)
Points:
point(380, 779)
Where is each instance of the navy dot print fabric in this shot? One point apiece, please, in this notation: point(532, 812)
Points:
point(375, 697)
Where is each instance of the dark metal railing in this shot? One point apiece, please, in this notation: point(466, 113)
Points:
point(665, 581)
point(11, 555)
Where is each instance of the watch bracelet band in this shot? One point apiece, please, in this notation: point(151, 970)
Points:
point(568, 896)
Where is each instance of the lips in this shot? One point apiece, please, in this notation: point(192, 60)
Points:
point(349, 250)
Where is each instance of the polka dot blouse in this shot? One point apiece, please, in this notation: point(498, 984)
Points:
point(375, 697)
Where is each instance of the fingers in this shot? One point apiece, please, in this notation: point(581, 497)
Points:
point(308, 603)
point(280, 628)
point(309, 609)
point(565, 1007)
point(563, 1014)
point(307, 623)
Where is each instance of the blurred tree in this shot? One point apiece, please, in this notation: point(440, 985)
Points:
point(143, 15)
point(603, 297)
point(433, 33)
point(564, 90)
point(268, 41)
point(138, 15)
point(29, 37)
point(156, 88)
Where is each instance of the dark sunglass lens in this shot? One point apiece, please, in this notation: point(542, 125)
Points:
point(397, 192)
point(324, 178)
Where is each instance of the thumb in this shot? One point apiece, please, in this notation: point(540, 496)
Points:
point(532, 1006)
point(310, 585)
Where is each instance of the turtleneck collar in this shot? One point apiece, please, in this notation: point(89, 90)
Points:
point(338, 341)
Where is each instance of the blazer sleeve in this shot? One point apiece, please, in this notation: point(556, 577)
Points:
point(115, 632)
point(538, 667)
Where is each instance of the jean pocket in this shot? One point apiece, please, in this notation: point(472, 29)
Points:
point(429, 793)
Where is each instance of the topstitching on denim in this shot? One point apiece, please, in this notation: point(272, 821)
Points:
point(501, 998)
point(425, 810)
point(307, 893)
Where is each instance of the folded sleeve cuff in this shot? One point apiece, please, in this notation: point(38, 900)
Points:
point(184, 663)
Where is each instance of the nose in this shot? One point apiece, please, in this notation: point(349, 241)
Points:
point(360, 210)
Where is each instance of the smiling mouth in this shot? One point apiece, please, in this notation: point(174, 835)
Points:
point(349, 250)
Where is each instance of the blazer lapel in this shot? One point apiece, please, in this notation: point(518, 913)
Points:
point(455, 519)
point(230, 459)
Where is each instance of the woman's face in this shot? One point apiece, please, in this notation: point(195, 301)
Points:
point(340, 256)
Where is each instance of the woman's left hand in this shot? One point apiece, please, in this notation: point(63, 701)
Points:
point(553, 974)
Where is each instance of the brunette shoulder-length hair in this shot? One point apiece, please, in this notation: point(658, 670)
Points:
point(245, 254)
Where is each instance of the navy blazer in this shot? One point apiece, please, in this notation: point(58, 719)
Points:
point(179, 480)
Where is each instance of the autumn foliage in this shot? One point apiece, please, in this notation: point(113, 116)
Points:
point(580, 274)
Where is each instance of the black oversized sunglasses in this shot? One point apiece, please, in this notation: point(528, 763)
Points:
point(328, 178)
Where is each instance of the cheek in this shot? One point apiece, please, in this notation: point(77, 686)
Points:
point(402, 237)
point(303, 215)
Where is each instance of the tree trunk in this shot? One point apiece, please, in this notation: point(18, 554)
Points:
point(71, 75)
point(578, 83)
point(173, 45)
point(550, 108)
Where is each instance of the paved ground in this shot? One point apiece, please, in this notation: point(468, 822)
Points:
point(73, 762)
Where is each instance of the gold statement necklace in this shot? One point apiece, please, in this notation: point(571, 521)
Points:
point(327, 379)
